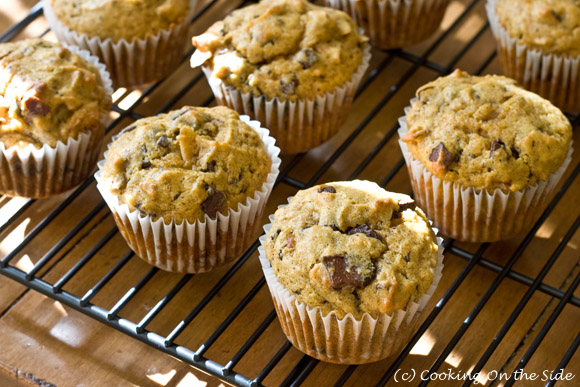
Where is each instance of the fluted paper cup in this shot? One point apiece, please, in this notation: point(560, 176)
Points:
point(297, 125)
point(349, 340)
point(554, 77)
point(131, 63)
point(41, 172)
point(394, 23)
point(476, 215)
point(202, 245)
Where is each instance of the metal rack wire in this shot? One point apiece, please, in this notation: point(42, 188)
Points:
point(197, 357)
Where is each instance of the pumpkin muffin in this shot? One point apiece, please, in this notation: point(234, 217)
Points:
point(53, 103)
point(289, 63)
point(486, 136)
point(139, 41)
point(186, 169)
point(539, 46)
point(395, 24)
point(349, 252)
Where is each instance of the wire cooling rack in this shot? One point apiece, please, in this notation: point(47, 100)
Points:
point(401, 71)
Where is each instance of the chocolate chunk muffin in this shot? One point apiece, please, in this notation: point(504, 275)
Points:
point(539, 46)
point(353, 251)
point(286, 51)
point(139, 41)
point(488, 135)
point(189, 169)
point(49, 95)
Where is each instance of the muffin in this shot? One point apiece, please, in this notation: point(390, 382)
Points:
point(188, 188)
point(139, 41)
point(288, 63)
point(350, 267)
point(483, 154)
point(394, 24)
point(53, 108)
point(539, 46)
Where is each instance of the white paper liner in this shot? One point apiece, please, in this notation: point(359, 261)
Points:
point(133, 63)
point(203, 245)
point(471, 215)
point(38, 173)
point(394, 23)
point(555, 77)
point(348, 340)
point(297, 125)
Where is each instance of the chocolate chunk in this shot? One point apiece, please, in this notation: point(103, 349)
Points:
point(329, 189)
point(34, 106)
point(496, 144)
point(406, 204)
point(177, 195)
point(311, 58)
point(210, 167)
point(163, 141)
point(396, 215)
point(146, 164)
point(144, 148)
point(556, 16)
point(515, 153)
point(289, 87)
point(180, 113)
point(364, 229)
point(127, 130)
point(407, 257)
point(214, 203)
point(441, 155)
point(342, 275)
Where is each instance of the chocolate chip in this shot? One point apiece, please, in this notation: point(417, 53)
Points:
point(333, 227)
point(496, 144)
point(441, 155)
point(515, 153)
point(289, 87)
point(556, 16)
point(342, 275)
point(329, 189)
point(210, 167)
point(144, 148)
point(180, 113)
point(146, 164)
point(407, 257)
point(407, 204)
point(177, 196)
point(163, 141)
point(364, 229)
point(214, 203)
point(127, 130)
point(311, 58)
point(34, 106)
point(396, 215)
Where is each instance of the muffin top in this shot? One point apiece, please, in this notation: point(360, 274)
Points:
point(186, 164)
point(47, 94)
point(486, 132)
point(552, 26)
point(282, 48)
point(352, 247)
point(120, 19)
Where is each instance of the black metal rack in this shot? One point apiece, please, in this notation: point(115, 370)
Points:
point(197, 356)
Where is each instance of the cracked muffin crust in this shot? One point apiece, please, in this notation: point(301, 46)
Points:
point(486, 132)
point(186, 164)
point(551, 26)
point(48, 94)
point(116, 20)
point(352, 247)
point(284, 49)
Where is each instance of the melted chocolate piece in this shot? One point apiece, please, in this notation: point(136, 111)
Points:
point(441, 155)
point(146, 164)
point(210, 167)
point(406, 204)
point(289, 87)
point(163, 141)
point(556, 16)
point(496, 145)
point(515, 153)
point(311, 58)
point(329, 189)
point(214, 203)
point(364, 229)
point(35, 107)
point(342, 275)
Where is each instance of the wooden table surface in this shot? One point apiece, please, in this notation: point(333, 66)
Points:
point(43, 339)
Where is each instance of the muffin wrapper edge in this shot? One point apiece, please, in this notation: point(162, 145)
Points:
point(394, 23)
point(555, 77)
point(38, 173)
point(471, 215)
point(203, 245)
point(348, 340)
point(297, 125)
point(134, 63)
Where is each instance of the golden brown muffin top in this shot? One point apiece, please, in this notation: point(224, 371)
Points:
point(47, 94)
point(120, 19)
point(486, 132)
point(352, 247)
point(282, 48)
point(186, 164)
point(551, 26)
